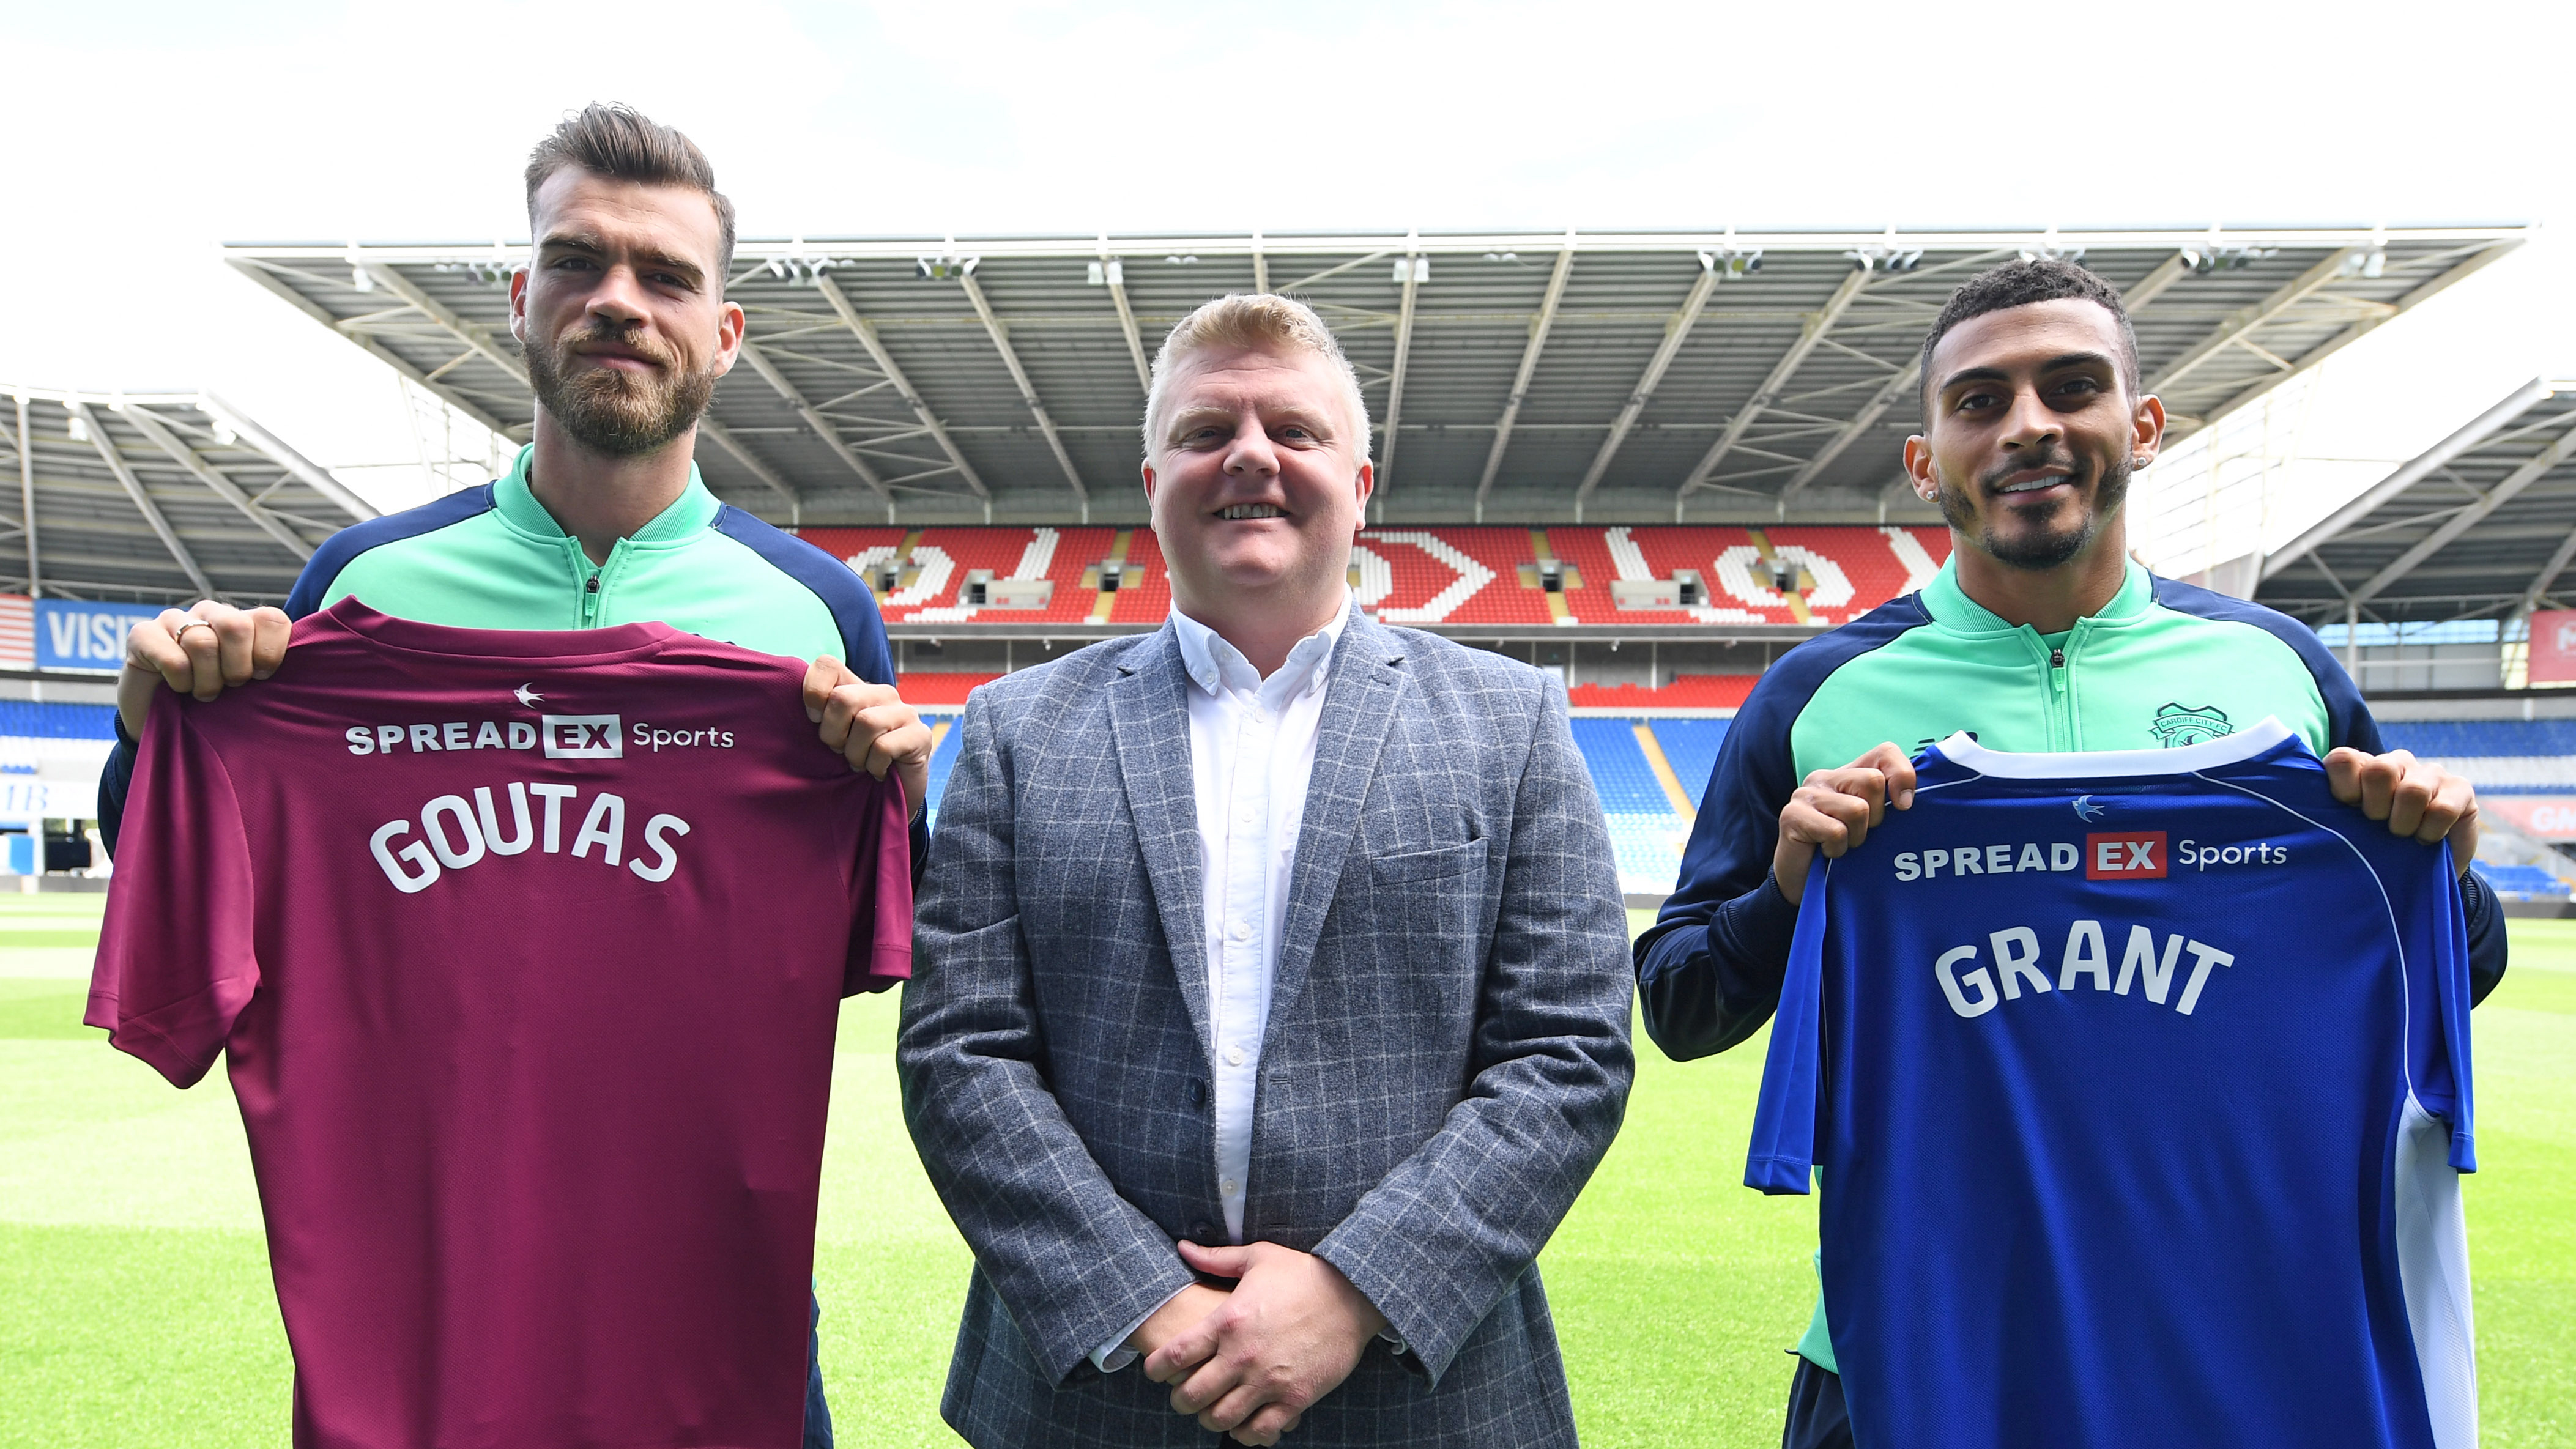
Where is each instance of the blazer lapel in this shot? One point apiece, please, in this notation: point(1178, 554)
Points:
point(1149, 713)
point(1359, 707)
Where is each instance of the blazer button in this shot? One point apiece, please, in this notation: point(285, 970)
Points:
point(1198, 1091)
point(1202, 1232)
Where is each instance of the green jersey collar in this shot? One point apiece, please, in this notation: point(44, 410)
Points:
point(689, 515)
point(1952, 609)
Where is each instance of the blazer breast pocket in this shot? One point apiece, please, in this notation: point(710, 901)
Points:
point(1426, 867)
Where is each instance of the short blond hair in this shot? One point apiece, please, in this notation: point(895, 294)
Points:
point(1255, 320)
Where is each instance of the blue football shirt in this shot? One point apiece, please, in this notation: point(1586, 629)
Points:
point(2139, 1085)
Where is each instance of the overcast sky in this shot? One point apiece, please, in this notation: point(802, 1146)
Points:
point(148, 132)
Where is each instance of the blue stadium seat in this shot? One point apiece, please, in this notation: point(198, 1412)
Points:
point(1691, 747)
point(2452, 739)
point(29, 719)
point(942, 760)
point(2522, 881)
point(1626, 784)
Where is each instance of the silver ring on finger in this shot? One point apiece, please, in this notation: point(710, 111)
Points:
point(180, 634)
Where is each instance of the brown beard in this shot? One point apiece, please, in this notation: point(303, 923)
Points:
point(2047, 551)
point(612, 411)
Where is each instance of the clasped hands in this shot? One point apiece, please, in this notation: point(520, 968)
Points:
point(1251, 1361)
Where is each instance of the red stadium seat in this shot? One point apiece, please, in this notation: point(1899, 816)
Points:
point(932, 691)
point(1448, 576)
point(1688, 691)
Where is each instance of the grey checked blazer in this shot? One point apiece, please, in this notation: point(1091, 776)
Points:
point(1447, 1055)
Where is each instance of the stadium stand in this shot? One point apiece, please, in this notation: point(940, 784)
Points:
point(934, 569)
point(1646, 833)
point(1691, 745)
point(1687, 691)
point(1144, 589)
point(943, 758)
point(1431, 575)
point(1449, 576)
point(33, 719)
point(2499, 757)
point(2523, 882)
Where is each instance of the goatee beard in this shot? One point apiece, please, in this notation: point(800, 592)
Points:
point(2041, 552)
point(614, 412)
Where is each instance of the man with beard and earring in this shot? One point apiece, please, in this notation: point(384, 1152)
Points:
point(603, 520)
point(2039, 634)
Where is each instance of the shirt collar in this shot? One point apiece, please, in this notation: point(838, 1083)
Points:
point(690, 513)
point(1950, 605)
point(1216, 666)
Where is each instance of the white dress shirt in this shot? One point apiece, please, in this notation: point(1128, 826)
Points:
point(1252, 752)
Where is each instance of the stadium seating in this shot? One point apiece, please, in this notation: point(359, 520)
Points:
point(31, 719)
point(1687, 691)
point(1145, 588)
point(945, 556)
point(943, 758)
point(2499, 757)
point(941, 693)
point(1646, 834)
point(1447, 574)
point(1691, 745)
point(2522, 882)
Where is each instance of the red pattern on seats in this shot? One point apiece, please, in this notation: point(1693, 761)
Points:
point(922, 691)
point(1669, 549)
point(1687, 691)
point(1418, 577)
point(1863, 553)
point(998, 549)
point(1145, 588)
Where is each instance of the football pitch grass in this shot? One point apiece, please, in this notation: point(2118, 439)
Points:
point(135, 1306)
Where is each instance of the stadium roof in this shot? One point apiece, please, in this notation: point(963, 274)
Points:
point(1514, 377)
point(2483, 525)
point(156, 497)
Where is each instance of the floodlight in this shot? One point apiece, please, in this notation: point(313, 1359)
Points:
point(80, 423)
point(360, 281)
point(1095, 275)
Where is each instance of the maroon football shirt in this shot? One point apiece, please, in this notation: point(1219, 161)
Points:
point(526, 951)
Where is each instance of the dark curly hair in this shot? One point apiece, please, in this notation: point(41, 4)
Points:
point(2018, 284)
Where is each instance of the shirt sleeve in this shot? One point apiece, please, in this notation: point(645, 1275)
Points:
point(881, 894)
point(176, 962)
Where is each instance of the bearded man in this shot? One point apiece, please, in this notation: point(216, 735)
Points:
point(603, 519)
point(2039, 634)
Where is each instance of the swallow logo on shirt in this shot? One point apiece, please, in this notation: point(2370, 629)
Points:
point(2085, 809)
point(527, 695)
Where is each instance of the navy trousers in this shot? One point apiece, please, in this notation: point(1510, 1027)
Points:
point(1816, 1418)
point(818, 1415)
